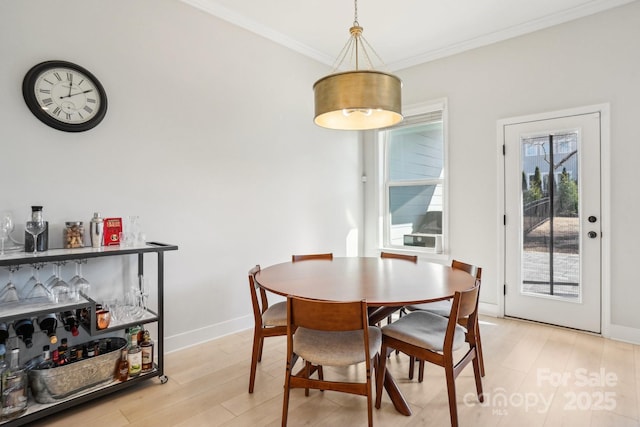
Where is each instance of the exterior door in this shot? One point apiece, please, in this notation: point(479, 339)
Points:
point(552, 224)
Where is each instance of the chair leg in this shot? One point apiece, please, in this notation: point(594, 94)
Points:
point(307, 374)
point(479, 349)
point(412, 362)
point(382, 366)
point(320, 374)
point(369, 396)
point(451, 391)
point(285, 404)
point(255, 358)
point(477, 373)
point(420, 370)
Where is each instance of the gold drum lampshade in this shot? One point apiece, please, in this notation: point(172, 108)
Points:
point(358, 100)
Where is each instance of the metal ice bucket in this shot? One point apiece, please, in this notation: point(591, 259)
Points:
point(50, 385)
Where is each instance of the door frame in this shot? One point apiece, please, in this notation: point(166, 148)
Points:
point(605, 201)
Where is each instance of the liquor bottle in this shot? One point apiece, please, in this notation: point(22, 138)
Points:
point(147, 352)
point(63, 352)
point(46, 358)
point(70, 322)
point(42, 361)
point(134, 355)
point(91, 349)
point(73, 354)
point(3, 368)
point(14, 388)
point(4, 334)
point(24, 330)
point(55, 357)
point(122, 372)
point(79, 353)
point(43, 238)
point(48, 325)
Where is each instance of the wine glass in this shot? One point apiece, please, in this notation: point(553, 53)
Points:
point(79, 285)
point(35, 227)
point(38, 290)
point(6, 226)
point(53, 278)
point(9, 293)
point(60, 290)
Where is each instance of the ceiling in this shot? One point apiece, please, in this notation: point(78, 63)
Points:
point(402, 32)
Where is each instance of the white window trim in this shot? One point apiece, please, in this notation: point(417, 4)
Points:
point(383, 202)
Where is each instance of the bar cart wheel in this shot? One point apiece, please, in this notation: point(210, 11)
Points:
point(163, 379)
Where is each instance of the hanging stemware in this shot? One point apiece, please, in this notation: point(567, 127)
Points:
point(9, 292)
point(38, 290)
point(79, 285)
point(60, 290)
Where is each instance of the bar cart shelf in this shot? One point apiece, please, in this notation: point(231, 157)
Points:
point(35, 308)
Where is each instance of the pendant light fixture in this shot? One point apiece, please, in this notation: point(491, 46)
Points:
point(358, 99)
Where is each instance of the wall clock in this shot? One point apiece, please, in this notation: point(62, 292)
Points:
point(64, 96)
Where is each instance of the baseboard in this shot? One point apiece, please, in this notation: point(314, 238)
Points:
point(207, 333)
point(623, 333)
point(488, 309)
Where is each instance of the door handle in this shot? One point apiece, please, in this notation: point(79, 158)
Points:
point(592, 234)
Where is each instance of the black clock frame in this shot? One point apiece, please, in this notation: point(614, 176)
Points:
point(28, 93)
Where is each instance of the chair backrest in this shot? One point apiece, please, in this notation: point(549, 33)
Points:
point(306, 257)
point(464, 310)
point(259, 305)
point(469, 268)
point(413, 258)
point(327, 315)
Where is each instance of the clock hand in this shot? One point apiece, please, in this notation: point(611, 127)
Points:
point(77, 93)
point(70, 84)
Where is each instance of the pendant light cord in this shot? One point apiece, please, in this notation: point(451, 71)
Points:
point(357, 46)
point(355, 13)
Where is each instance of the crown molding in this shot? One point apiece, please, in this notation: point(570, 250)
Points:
point(508, 33)
point(214, 8)
point(242, 21)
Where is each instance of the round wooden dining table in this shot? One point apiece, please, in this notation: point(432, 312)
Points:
point(386, 284)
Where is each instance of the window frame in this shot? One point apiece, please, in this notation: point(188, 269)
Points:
point(411, 114)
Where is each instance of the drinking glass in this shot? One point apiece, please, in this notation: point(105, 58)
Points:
point(35, 228)
point(79, 285)
point(38, 290)
point(60, 290)
point(53, 278)
point(6, 226)
point(9, 293)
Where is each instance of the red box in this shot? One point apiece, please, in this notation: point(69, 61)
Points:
point(112, 230)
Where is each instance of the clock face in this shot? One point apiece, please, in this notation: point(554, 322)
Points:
point(64, 96)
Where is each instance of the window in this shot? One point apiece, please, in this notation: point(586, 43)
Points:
point(414, 205)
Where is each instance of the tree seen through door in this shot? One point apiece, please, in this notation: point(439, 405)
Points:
point(551, 227)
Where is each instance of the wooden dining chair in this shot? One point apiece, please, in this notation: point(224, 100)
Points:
point(433, 338)
point(443, 308)
point(296, 258)
point(269, 321)
point(413, 258)
point(330, 333)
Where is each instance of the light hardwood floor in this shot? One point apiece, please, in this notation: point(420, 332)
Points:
point(536, 375)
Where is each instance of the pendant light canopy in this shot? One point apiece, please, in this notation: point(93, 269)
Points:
point(358, 99)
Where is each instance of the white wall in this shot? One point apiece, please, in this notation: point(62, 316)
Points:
point(589, 61)
point(208, 137)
